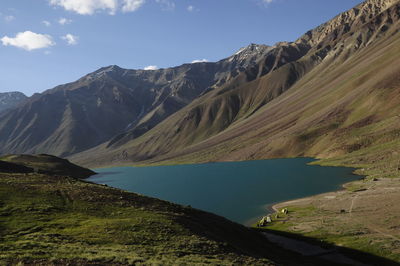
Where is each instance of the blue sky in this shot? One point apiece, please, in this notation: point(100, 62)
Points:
point(44, 43)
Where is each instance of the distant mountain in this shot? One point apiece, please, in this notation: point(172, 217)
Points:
point(248, 64)
point(110, 101)
point(333, 91)
point(9, 100)
point(290, 99)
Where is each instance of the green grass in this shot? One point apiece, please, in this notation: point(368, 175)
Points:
point(63, 220)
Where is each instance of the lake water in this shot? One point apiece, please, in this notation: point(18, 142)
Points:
point(239, 191)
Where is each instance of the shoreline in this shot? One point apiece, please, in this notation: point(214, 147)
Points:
point(350, 217)
point(279, 205)
point(169, 163)
point(275, 207)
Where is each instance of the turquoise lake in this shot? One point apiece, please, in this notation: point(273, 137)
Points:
point(239, 191)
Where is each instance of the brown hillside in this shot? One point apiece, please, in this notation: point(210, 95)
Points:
point(322, 104)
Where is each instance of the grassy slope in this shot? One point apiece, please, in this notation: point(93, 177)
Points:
point(64, 220)
point(48, 164)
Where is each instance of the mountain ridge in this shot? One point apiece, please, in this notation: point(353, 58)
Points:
point(199, 125)
point(114, 109)
point(125, 99)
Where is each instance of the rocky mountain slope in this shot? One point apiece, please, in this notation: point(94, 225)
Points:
point(319, 96)
point(76, 116)
point(9, 100)
point(302, 98)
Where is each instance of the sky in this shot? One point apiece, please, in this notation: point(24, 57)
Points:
point(45, 43)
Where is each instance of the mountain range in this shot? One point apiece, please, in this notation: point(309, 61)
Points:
point(110, 101)
point(332, 92)
point(9, 100)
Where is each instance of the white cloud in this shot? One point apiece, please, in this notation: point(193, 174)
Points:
point(131, 5)
point(267, 1)
point(46, 23)
point(190, 8)
point(87, 7)
point(166, 4)
point(9, 18)
point(70, 39)
point(64, 21)
point(151, 68)
point(28, 41)
point(199, 61)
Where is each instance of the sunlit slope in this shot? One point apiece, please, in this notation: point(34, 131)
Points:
point(111, 103)
point(341, 97)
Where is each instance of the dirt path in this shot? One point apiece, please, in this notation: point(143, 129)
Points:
point(310, 250)
point(352, 205)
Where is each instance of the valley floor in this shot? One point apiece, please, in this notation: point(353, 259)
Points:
point(365, 216)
